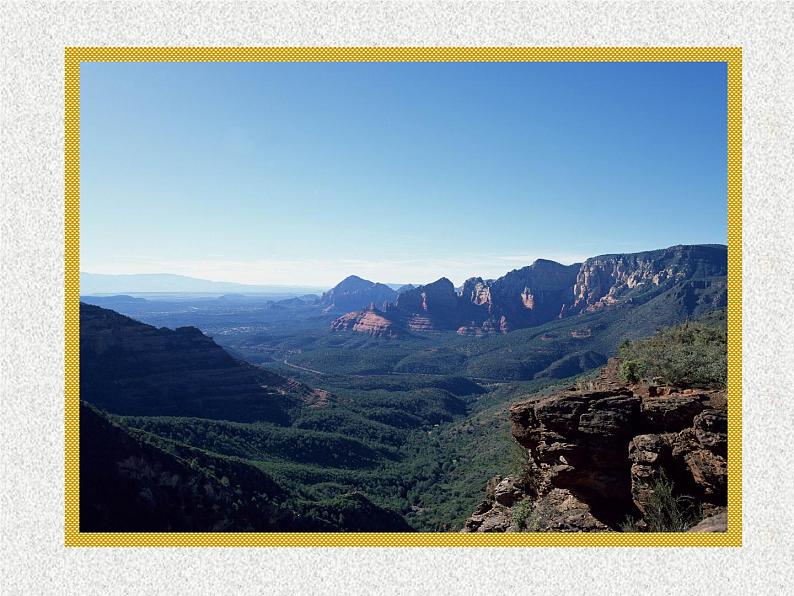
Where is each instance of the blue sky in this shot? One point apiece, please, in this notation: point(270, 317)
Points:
point(305, 173)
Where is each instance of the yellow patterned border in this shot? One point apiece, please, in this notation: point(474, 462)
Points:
point(75, 56)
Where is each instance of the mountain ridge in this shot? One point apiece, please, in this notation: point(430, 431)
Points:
point(130, 368)
point(135, 481)
point(541, 292)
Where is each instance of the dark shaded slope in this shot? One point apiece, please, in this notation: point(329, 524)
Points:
point(130, 368)
point(531, 296)
point(135, 481)
point(128, 484)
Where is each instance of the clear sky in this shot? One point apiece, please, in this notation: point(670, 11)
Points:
point(306, 173)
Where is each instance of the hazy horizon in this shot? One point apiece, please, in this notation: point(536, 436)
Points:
point(322, 287)
point(422, 271)
point(293, 174)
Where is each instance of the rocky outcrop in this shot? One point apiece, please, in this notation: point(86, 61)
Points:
point(694, 459)
point(578, 440)
point(355, 293)
point(489, 517)
point(672, 412)
point(556, 511)
point(607, 449)
point(692, 277)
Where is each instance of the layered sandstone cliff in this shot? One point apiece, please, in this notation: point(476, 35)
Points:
point(611, 279)
point(371, 321)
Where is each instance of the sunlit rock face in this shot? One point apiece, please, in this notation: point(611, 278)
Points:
point(611, 279)
point(371, 321)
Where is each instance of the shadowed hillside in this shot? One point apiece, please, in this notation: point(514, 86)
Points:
point(130, 368)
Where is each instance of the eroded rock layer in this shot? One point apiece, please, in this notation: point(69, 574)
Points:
point(600, 455)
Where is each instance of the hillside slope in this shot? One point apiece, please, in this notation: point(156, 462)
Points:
point(134, 481)
point(130, 368)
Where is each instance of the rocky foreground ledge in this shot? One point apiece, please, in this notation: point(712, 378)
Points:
point(596, 460)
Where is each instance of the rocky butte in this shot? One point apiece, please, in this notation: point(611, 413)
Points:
point(371, 320)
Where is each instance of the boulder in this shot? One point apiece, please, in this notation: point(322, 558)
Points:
point(508, 492)
point(711, 431)
point(714, 523)
point(492, 518)
point(709, 472)
point(561, 511)
point(650, 455)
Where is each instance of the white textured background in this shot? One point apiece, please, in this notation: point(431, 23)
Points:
point(31, 299)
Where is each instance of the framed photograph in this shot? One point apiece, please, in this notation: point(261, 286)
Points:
point(403, 296)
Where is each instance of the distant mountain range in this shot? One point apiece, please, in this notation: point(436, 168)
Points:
point(99, 283)
point(536, 294)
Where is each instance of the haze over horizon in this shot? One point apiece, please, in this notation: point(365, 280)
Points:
point(321, 287)
point(302, 174)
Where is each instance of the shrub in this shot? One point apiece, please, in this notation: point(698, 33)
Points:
point(521, 513)
point(532, 516)
point(631, 371)
point(693, 354)
point(665, 511)
point(519, 461)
